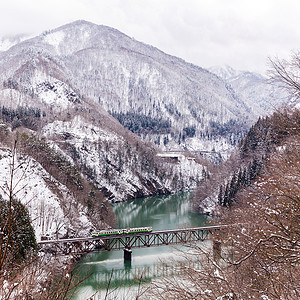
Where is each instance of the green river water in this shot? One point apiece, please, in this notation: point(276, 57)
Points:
point(109, 268)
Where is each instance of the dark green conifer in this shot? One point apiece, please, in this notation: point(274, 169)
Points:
point(18, 233)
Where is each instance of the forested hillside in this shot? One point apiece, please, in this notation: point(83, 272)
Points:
point(248, 160)
point(160, 97)
point(253, 88)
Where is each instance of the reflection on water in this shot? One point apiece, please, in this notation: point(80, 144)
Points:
point(109, 269)
point(160, 212)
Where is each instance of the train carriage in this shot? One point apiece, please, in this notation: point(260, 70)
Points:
point(108, 232)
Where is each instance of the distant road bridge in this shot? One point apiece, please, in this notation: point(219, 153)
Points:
point(126, 242)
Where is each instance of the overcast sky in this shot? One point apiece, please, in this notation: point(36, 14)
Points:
point(240, 33)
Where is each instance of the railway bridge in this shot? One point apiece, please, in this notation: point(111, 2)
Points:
point(126, 242)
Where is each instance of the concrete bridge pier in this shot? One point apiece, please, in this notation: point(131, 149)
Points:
point(127, 254)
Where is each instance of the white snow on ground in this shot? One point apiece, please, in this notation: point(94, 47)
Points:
point(11, 98)
point(79, 129)
point(55, 93)
point(219, 145)
point(209, 204)
point(7, 42)
point(31, 188)
point(84, 135)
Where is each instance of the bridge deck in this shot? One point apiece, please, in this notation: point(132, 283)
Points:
point(131, 240)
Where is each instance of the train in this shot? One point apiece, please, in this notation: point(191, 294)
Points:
point(121, 231)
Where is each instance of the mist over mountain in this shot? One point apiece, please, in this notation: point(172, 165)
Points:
point(7, 42)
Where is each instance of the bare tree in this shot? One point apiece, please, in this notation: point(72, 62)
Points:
point(260, 251)
point(286, 73)
point(17, 240)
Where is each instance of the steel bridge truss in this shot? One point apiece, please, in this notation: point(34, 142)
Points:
point(78, 246)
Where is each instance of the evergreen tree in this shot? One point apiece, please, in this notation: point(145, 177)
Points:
point(16, 230)
point(226, 196)
point(240, 178)
point(232, 188)
point(221, 196)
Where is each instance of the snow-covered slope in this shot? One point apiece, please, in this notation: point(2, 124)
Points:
point(120, 169)
point(48, 213)
point(112, 159)
point(37, 91)
point(225, 72)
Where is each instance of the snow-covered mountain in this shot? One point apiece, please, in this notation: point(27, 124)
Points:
point(131, 80)
point(253, 89)
point(225, 72)
point(54, 209)
point(69, 91)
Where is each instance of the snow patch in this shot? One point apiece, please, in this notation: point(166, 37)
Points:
point(56, 93)
point(79, 129)
point(54, 39)
point(115, 170)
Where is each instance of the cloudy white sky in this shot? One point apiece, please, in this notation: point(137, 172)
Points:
point(240, 33)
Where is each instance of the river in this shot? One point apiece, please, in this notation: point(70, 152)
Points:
point(109, 268)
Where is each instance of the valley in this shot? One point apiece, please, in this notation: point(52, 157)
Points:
point(99, 130)
point(109, 106)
